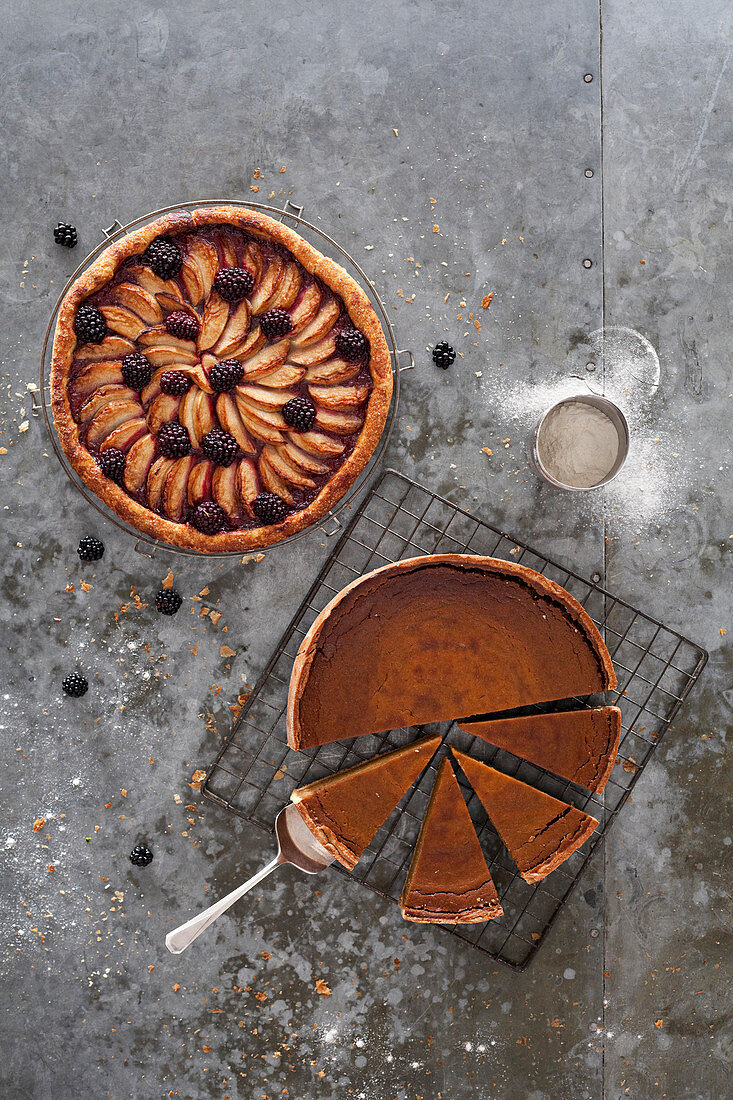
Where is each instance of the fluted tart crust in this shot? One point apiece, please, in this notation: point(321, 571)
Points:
point(308, 470)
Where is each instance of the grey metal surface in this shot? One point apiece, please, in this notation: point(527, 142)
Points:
point(111, 111)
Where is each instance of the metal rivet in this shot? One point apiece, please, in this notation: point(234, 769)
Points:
point(587, 263)
point(595, 578)
point(594, 933)
point(589, 173)
point(588, 78)
point(590, 366)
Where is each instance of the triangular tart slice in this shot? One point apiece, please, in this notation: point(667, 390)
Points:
point(579, 745)
point(540, 831)
point(345, 810)
point(448, 881)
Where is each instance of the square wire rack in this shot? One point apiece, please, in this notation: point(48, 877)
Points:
point(656, 668)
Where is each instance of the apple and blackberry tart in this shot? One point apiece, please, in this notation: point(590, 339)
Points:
point(218, 382)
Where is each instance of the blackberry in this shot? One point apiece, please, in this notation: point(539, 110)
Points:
point(112, 463)
point(182, 325)
point(175, 383)
point(443, 355)
point(66, 235)
point(168, 601)
point(164, 256)
point(299, 413)
point(220, 447)
point(224, 376)
point(351, 344)
point(141, 855)
point(233, 283)
point(90, 549)
point(173, 440)
point(89, 325)
point(136, 371)
point(269, 508)
point(208, 517)
point(275, 323)
point(75, 685)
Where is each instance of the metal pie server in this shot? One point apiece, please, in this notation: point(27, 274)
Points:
point(295, 844)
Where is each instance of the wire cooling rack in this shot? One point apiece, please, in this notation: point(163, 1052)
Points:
point(656, 668)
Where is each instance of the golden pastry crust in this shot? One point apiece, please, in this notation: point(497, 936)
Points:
point(330, 273)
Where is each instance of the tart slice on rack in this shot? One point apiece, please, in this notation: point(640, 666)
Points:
point(540, 831)
point(448, 881)
point(579, 745)
point(345, 810)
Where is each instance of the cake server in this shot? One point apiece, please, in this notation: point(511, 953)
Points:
point(295, 844)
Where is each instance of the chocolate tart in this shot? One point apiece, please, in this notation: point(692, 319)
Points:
point(579, 745)
point(448, 881)
point(345, 810)
point(539, 831)
point(436, 638)
point(185, 294)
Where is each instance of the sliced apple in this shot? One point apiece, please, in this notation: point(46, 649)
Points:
point(226, 493)
point(186, 411)
point(110, 348)
point(164, 408)
point(258, 428)
point(216, 315)
point(339, 397)
point(109, 418)
point(159, 336)
point(303, 460)
point(253, 259)
point(198, 373)
point(248, 483)
point(229, 252)
point(305, 307)
point(269, 358)
point(272, 480)
point(231, 421)
point(287, 469)
point(341, 423)
point(199, 482)
point(268, 284)
point(269, 416)
point(138, 300)
point(203, 414)
point(175, 305)
point(148, 280)
point(191, 283)
point(286, 375)
point(162, 355)
point(150, 392)
point(122, 321)
point(139, 460)
point(250, 345)
point(333, 370)
point(289, 287)
point(206, 259)
point(269, 399)
point(314, 353)
point(175, 493)
point(315, 443)
point(156, 481)
point(235, 330)
point(321, 324)
point(92, 377)
point(103, 396)
point(122, 438)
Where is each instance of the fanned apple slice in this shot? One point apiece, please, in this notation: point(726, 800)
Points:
point(191, 283)
point(164, 408)
point(198, 373)
point(138, 300)
point(109, 418)
point(186, 411)
point(314, 353)
point(231, 421)
point(342, 423)
point(269, 399)
point(229, 252)
point(214, 319)
point(235, 330)
point(287, 469)
point(95, 375)
point(339, 397)
point(122, 438)
point(110, 348)
point(150, 392)
point(250, 345)
point(258, 428)
point(225, 492)
point(316, 443)
point(272, 481)
point(158, 336)
point(305, 307)
point(206, 259)
point(199, 482)
point(269, 416)
point(248, 483)
point(289, 287)
point(253, 260)
point(203, 413)
point(148, 280)
point(332, 371)
point(176, 488)
point(139, 460)
point(155, 485)
point(161, 355)
point(175, 305)
point(103, 396)
point(303, 460)
point(268, 284)
point(321, 324)
point(286, 375)
point(268, 359)
point(122, 321)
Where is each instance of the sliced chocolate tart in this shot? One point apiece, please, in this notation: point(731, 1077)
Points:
point(448, 881)
point(579, 745)
point(436, 637)
point(539, 831)
point(345, 810)
point(216, 381)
